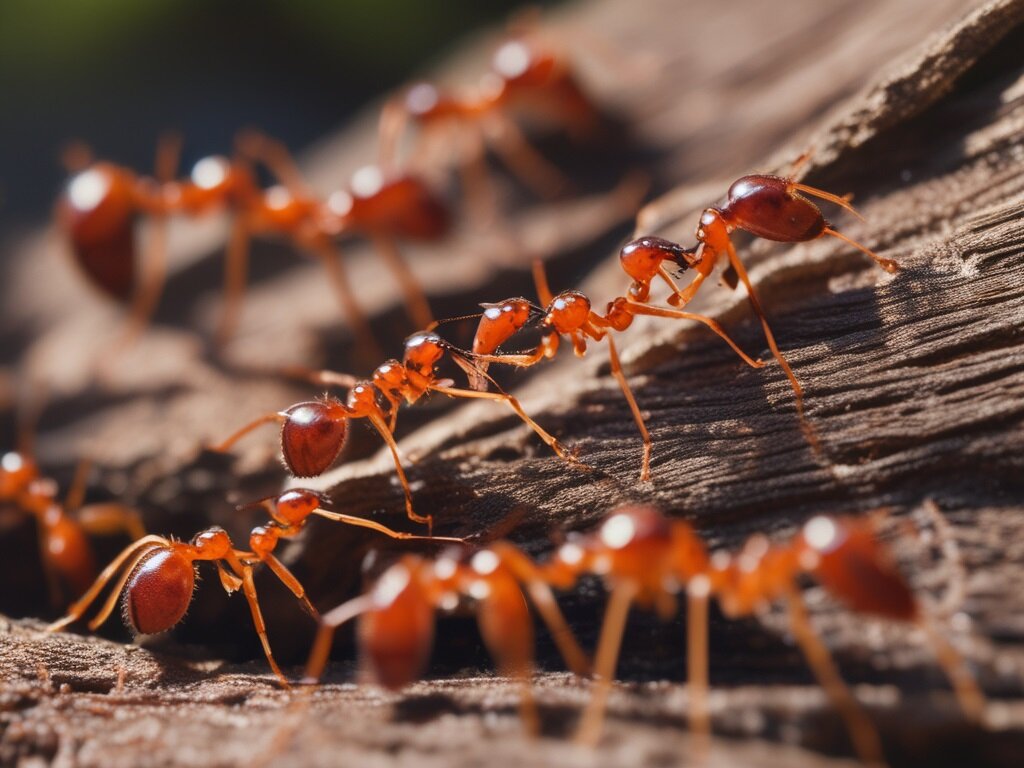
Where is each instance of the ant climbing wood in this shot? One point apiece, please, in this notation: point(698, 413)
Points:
point(570, 314)
point(397, 614)
point(101, 203)
point(156, 575)
point(313, 433)
point(647, 559)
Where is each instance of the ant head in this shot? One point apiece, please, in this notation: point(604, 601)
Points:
point(846, 557)
point(16, 472)
point(397, 633)
point(294, 506)
point(313, 435)
point(158, 591)
point(568, 311)
point(641, 258)
point(423, 351)
point(97, 211)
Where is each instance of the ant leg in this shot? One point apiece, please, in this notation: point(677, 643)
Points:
point(236, 267)
point(288, 579)
point(968, 693)
point(382, 427)
point(329, 623)
point(76, 491)
point(244, 570)
point(110, 518)
point(267, 418)
point(540, 280)
point(133, 552)
point(613, 357)
point(366, 343)
point(394, 118)
point(607, 657)
point(639, 308)
point(956, 587)
point(525, 162)
point(416, 304)
point(322, 377)
point(507, 631)
point(862, 731)
point(540, 593)
point(513, 403)
point(888, 265)
point(755, 303)
point(276, 158)
point(361, 522)
point(842, 202)
point(697, 659)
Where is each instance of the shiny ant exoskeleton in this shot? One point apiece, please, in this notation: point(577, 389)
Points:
point(101, 203)
point(570, 314)
point(63, 527)
point(769, 207)
point(397, 615)
point(313, 433)
point(648, 560)
point(157, 574)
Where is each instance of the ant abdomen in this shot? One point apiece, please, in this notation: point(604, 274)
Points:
point(158, 591)
point(405, 207)
point(396, 637)
point(97, 210)
point(312, 436)
point(851, 563)
point(767, 206)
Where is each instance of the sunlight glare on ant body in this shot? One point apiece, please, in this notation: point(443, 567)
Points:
point(278, 197)
point(421, 98)
point(822, 534)
point(367, 181)
point(485, 562)
point(88, 189)
point(210, 172)
point(618, 532)
point(390, 585)
point(512, 59)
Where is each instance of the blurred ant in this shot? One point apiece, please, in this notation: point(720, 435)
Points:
point(648, 559)
point(101, 203)
point(63, 528)
point(769, 207)
point(157, 575)
point(527, 77)
point(570, 314)
point(397, 614)
point(313, 433)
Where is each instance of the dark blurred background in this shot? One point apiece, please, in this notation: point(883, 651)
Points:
point(115, 73)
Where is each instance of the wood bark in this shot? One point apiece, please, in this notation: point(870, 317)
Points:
point(915, 384)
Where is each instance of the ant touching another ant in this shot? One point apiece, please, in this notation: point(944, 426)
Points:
point(647, 559)
point(102, 202)
point(396, 627)
point(313, 433)
point(157, 574)
point(769, 207)
point(570, 314)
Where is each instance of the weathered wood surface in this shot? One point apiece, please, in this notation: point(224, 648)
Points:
point(915, 384)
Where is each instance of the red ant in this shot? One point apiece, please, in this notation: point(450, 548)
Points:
point(526, 76)
point(769, 207)
point(67, 556)
point(101, 203)
point(396, 628)
point(313, 433)
point(157, 575)
point(570, 314)
point(648, 559)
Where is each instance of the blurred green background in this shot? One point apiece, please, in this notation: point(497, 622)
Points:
point(115, 73)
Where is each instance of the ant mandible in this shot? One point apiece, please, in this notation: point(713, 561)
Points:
point(769, 207)
point(397, 614)
point(570, 314)
point(101, 203)
point(313, 433)
point(646, 559)
point(65, 551)
point(157, 574)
